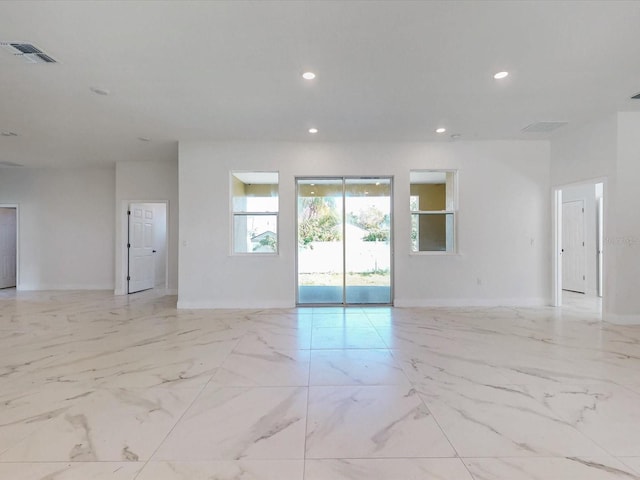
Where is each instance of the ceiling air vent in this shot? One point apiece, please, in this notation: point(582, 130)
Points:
point(543, 127)
point(27, 52)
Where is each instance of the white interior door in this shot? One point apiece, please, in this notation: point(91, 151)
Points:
point(7, 247)
point(141, 274)
point(573, 247)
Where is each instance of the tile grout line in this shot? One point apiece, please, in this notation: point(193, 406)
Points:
point(306, 423)
point(202, 389)
point(413, 386)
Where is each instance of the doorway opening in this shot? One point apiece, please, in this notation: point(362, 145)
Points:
point(8, 246)
point(147, 252)
point(579, 226)
point(344, 237)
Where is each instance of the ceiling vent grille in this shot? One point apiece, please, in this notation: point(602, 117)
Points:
point(28, 52)
point(543, 127)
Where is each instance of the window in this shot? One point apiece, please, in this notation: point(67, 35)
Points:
point(254, 199)
point(433, 207)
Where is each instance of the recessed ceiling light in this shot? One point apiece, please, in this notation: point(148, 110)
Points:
point(377, 183)
point(9, 134)
point(313, 130)
point(441, 130)
point(312, 193)
point(308, 75)
point(501, 75)
point(312, 184)
point(100, 90)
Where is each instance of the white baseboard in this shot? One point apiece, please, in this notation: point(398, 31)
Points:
point(58, 287)
point(621, 319)
point(471, 302)
point(159, 290)
point(225, 305)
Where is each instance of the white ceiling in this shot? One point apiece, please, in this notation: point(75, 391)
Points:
point(387, 71)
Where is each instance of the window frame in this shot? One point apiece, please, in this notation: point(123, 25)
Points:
point(251, 213)
point(453, 212)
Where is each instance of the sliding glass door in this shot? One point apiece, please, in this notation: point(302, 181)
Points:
point(344, 241)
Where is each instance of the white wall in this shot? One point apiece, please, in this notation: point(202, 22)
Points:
point(622, 240)
point(503, 227)
point(66, 226)
point(585, 153)
point(150, 181)
point(587, 193)
point(610, 149)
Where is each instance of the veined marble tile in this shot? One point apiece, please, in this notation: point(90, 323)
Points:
point(179, 367)
point(371, 422)
point(387, 469)
point(108, 425)
point(274, 338)
point(356, 337)
point(436, 370)
point(224, 470)
point(633, 462)
point(22, 364)
point(569, 367)
point(270, 368)
point(235, 423)
point(290, 320)
point(607, 414)
point(355, 367)
point(503, 420)
point(25, 410)
point(583, 468)
point(556, 389)
point(71, 471)
point(421, 337)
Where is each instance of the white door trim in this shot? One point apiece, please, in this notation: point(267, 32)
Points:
point(556, 234)
point(557, 248)
point(17, 207)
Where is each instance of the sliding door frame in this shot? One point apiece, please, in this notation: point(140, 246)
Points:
point(343, 179)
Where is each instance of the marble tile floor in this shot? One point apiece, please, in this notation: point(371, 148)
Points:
point(94, 386)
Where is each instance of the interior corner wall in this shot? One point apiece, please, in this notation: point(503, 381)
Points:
point(609, 149)
point(146, 181)
point(66, 226)
point(622, 239)
point(502, 226)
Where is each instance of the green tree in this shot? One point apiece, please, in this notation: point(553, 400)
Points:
point(374, 221)
point(266, 241)
point(318, 221)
